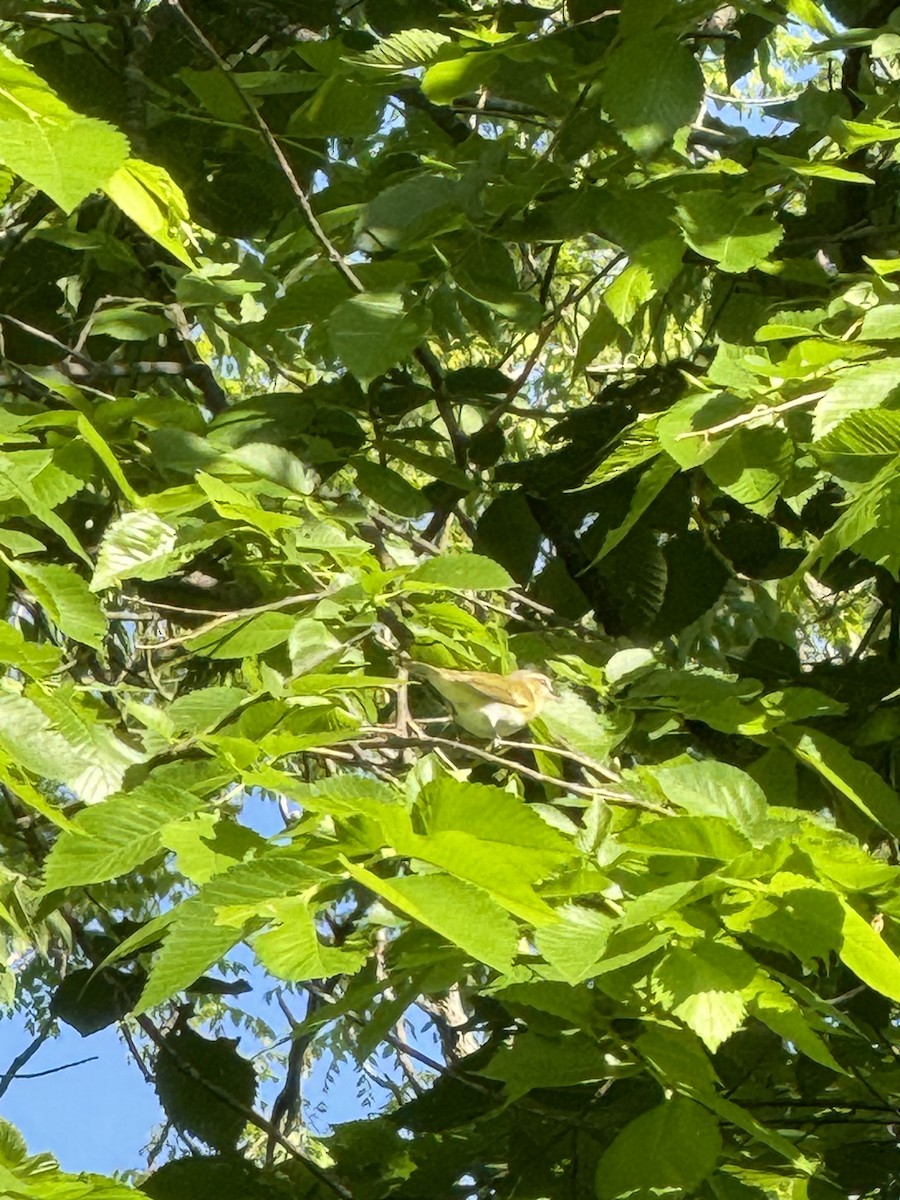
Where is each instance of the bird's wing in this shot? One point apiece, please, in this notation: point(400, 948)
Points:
point(482, 684)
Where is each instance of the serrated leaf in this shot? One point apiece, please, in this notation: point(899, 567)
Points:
point(404, 49)
point(373, 332)
point(649, 486)
point(465, 915)
point(867, 385)
point(701, 837)
point(148, 195)
point(294, 951)
point(716, 226)
point(854, 779)
point(673, 1147)
point(670, 92)
point(138, 545)
point(243, 637)
point(409, 213)
point(460, 572)
point(105, 757)
point(30, 740)
point(185, 1062)
point(868, 956)
point(703, 985)
point(65, 155)
point(752, 466)
point(114, 837)
point(576, 941)
point(67, 600)
point(205, 927)
point(34, 659)
point(390, 490)
point(450, 78)
point(714, 789)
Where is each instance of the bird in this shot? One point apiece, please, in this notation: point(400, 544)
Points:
point(488, 705)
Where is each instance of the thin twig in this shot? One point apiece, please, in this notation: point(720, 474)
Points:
point(20, 1060)
point(522, 378)
point(54, 1070)
point(224, 618)
point(334, 255)
point(757, 414)
point(589, 763)
point(388, 737)
point(136, 1054)
point(250, 1115)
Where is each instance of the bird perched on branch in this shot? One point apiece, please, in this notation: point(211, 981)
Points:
point(489, 705)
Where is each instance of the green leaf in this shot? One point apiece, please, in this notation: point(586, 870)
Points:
point(650, 484)
point(669, 95)
point(205, 927)
point(390, 490)
point(205, 846)
point(138, 545)
point(752, 466)
point(340, 107)
point(459, 572)
point(409, 213)
point(861, 445)
point(405, 49)
point(799, 917)
point(466, 916)
point(867, 385)
point(65, 155)
point(31, 658)
point(90, 1001)
point(703, 837)
point(99, 759)
point(670, 1148)
point(571, 721)
point(576, 942)
point(716, 226)
point(190, 1069)
point(776, 1008)
point(450, 78)
point(818, 169)
point(881, 324)
point(714, 789)
point(202, 709)
point(243, 637)
point(373, 332)
point(148, 195)
point(29, 740)
point(868, 956)
point(854, 779)
point(703, 985)
point(294, 951)
point(67, 600)
point(535, 1061)
point(116, 836)
point(490, 838)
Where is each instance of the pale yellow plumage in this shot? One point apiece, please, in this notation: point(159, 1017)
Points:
point(489, 705)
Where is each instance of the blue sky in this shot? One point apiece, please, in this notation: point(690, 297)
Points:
point(100, 1116)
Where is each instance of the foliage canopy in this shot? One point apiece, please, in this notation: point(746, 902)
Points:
point(487, 334)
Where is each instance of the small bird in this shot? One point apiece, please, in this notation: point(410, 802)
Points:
point(489, 705)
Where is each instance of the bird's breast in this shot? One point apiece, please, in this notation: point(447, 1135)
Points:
point(493, 719)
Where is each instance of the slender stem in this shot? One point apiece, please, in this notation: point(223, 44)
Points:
point(12, 1071)
point(589, 763)
point(761, 411)
point(250, 1115)
point(224, 618)
point(300, 194)
point(388, 737)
